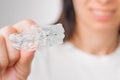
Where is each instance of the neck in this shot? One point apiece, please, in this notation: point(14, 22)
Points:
point(95, 42)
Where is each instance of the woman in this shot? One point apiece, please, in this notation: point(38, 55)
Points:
point(90, 52)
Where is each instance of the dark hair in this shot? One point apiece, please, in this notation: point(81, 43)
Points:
point(68, 19)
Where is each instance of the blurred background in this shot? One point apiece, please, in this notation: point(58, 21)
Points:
point(42, 11)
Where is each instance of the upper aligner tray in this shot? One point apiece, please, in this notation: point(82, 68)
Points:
point(48, 35)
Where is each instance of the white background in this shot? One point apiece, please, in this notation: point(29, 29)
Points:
point(42, 11)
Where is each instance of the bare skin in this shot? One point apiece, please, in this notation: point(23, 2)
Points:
point(14, 64)
point(97, 26)
point(95, 34)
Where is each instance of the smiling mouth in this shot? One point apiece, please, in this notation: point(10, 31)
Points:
point(102, 14)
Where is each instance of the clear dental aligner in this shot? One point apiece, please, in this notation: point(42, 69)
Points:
point(35, 37)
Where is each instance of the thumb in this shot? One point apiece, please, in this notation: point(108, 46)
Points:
point(24, 64)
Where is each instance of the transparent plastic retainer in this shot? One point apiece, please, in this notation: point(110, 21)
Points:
point(36, 37)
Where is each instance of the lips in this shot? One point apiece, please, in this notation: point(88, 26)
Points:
point(102, 14)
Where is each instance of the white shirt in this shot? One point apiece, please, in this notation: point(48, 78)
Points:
point(66, 62)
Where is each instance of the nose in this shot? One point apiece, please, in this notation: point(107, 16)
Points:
point(103, 1)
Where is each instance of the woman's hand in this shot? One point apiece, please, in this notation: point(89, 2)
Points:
point(14, 64)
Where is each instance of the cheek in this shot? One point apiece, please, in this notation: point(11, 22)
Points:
point(79, 3)
point(84, 15)
point(79, 6)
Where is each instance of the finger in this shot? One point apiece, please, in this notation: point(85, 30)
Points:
point(13, 54)
point(3, 54)
point(24, 64)
point(23, 25)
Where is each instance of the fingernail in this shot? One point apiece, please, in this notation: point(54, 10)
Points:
point(29, 50)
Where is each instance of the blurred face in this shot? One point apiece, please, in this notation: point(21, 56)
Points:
point(98, 14)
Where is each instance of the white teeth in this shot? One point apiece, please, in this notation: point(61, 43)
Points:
point(102, 13)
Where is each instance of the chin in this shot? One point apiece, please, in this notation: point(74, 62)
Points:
point(103, 27)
